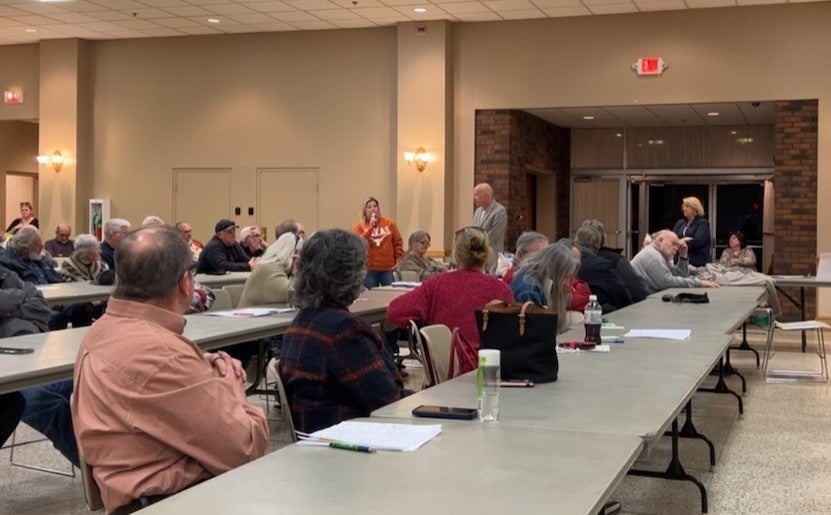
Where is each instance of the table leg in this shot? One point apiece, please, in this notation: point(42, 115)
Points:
point(721, 387)
point(746, 346)
point(688, 430)
point(675, 470)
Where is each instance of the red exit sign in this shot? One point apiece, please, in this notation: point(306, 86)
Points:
point(650, 66)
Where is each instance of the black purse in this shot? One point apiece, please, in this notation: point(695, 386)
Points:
point(526, 337)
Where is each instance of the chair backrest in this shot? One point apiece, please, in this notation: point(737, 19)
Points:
point(284, 401)
point(436, 341)
point(222, 300)
point(235, 290)
point(92, 494)
point(420, 351)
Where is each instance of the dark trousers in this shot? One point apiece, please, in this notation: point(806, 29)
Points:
point(11, 407)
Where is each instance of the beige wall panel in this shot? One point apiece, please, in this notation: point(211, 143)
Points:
point(202, 198)
point(286, 194)
point(598, 199)
point(18, 148)
point(597, 149)
point(19, 188)
point(19, 70)
point(319, 99)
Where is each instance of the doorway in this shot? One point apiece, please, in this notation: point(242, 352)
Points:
point(20, 187)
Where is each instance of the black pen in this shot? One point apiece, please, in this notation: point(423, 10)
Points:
point(350, 447)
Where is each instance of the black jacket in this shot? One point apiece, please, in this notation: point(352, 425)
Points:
point(603, 281)
point(633, 282)
point(218, 258)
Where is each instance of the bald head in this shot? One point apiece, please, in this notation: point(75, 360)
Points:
point(483, 195)
point(149, 263)
point(666, 242)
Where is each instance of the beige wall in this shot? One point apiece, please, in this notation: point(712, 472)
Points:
point(715, 55)
point(303, 100)
point(18, 149)
point(19, 69)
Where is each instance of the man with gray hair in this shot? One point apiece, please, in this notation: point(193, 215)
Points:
point(252, 241)
point(115, 229)
point(654, 264)
point(24, 256)
point(289, 225)
point(599, 273)
point(491, 217)
point(61, 245)
point(528, 243)
point(152, 413)
point(632, 281)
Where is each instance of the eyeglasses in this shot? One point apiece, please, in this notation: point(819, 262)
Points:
point(577, 345)
point(425, 243)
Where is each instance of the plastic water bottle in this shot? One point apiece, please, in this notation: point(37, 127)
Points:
point(593, 318)
point(487, 385)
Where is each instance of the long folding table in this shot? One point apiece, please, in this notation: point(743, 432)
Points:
point(468, 468)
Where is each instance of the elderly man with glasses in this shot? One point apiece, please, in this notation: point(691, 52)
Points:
point(61, 245)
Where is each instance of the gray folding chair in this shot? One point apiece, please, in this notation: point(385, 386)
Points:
point(284, 401)
point(436, 341)
point(796, 375)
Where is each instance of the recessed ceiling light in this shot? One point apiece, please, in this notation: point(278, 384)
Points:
point(619, 135)
point(30, 30)
point(420, 10)
point(213, 20)
point(712, 113)
point(588, 117)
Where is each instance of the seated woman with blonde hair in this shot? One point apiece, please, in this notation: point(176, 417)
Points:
point(269, 281)
point(452, 298)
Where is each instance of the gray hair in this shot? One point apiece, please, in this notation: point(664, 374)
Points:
point(282, 251)
point(85, 244)
point(551, 267)
point(114, 225)
point(285, 226)
point(24, 238)
point(331, 270)
point(598, 226)
point(151, 221)
point(588, 237)
point(525, 240)
point(149, 263)
point(416, 237)
point(246, 231)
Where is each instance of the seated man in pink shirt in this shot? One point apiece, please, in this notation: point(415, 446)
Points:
point(152, 413)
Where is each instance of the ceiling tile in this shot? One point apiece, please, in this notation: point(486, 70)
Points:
point(353, 24)
point(136, 24)
point(274, 26)
point(521, 14)
point(229, 9)
point(293, 16)
point(307, 5)
point(148, 13)
point(562, 12)
point(660, 5)
point(249, 18)
point(377, 12)
point(188, 10)
point(32, 19)
point(269, 7)
point(109, 15)
point(313, 25)
point(548, 4)
point(465, 7)
point(508, 5)
point(360, 3)
point(471, 17)
point(175, 23)
point(692, 4)
point(335, 14)
point(613, 8)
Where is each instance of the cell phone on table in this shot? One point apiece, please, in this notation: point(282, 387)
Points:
point(16, 350)
point(516, 383)
point(445, 412)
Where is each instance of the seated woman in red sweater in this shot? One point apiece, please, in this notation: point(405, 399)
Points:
point(453, 297)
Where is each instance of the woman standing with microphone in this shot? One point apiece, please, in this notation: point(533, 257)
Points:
point(385, 247)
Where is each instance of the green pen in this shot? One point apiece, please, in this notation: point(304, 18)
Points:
point(350, 447)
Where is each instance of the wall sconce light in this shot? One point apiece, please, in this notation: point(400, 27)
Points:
point(419, 158)
point(56, 160)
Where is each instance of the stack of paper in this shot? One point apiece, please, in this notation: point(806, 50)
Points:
point(250, 312)
point(379, 436)
point(662, 334)
point(405, 284)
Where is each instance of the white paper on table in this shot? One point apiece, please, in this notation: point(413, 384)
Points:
point(250, 312)
point(379, 436)
point(824, 266)
point(603, 347)
point(663, 334)
point(405, 284)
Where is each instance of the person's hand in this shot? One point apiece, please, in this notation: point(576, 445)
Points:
point(686, 238)
point(708, 284)
point(252, 263)
point(373, 220)
point(682, 248)
point(225, 365)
